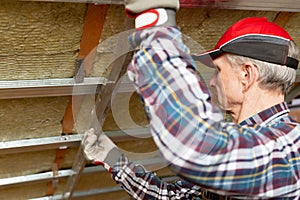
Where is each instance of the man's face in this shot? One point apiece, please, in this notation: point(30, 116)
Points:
point(227, 84)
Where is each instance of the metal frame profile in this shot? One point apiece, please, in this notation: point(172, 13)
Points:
point(60, 142)
point(269, 5)
point(55, 87)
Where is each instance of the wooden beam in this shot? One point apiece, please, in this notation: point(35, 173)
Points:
point(94, 22)
point(103, 102)
point(282, 18)
point(93, 25)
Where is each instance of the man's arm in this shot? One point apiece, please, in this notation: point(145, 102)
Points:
point(138, 183)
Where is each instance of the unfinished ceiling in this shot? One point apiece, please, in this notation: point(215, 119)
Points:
point(53, 57)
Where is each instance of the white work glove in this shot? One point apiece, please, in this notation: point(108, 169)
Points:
point(149, 13)
point(99, 149)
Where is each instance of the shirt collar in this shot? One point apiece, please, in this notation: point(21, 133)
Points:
point(268, 115)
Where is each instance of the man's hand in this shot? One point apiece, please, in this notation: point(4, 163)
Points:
point(99, 149)
point(148, 13)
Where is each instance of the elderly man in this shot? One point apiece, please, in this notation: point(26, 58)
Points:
point(256, 156)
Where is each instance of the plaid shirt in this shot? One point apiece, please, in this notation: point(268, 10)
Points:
point(144, 185)
point(258, 158)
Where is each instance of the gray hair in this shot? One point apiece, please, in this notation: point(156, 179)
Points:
point(271, 76)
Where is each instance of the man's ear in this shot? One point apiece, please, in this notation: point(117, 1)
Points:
point(249, 75)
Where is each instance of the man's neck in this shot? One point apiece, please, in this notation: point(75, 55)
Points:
point(254, 102)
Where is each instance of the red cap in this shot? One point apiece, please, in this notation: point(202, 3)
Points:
point(256, 38)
